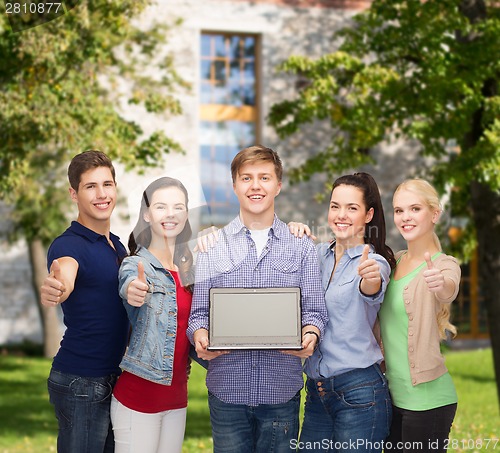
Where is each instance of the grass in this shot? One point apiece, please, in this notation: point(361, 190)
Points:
point(28, 425)
point(27, 422)
point(478, 417)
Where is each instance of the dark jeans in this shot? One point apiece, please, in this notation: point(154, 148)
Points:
point(351, 411)
point(420, 431)
point(82, 406)
point(267, 428)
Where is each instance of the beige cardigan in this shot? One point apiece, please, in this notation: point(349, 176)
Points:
point(422, 307)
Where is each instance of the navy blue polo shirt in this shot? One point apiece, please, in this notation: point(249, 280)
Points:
point(96, 321)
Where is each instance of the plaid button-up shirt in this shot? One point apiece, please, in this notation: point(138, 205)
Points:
point(257, 376)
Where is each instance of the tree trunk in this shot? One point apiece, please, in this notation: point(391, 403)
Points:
point(486, 207)
point(51, 324)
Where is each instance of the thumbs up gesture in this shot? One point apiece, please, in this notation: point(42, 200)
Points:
point(432, 276)
point(369, 271)
point(364, 256)
point(138, 288)
point(55, 270)
point(52, 288)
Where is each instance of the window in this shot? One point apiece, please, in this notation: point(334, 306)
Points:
point(228, 115)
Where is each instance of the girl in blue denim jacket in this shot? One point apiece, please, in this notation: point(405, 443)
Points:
point(148, 409)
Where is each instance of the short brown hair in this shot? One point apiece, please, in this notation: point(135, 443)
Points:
point(253, 154)
point(85, 161)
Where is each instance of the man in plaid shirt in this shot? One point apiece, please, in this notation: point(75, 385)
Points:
point(254, 396)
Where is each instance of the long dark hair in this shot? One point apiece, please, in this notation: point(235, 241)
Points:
point(141, 234)
point(375, 229)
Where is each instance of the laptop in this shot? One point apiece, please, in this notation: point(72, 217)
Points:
point(255, 318)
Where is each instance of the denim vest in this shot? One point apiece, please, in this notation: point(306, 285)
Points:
point(150, 353)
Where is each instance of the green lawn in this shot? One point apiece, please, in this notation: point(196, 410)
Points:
point(478, 417)
point(27, 423)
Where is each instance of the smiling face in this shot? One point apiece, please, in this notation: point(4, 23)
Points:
point(413, 217)
point(347, 215)
point(96, 198)
point(256, 186)
point(167, 213)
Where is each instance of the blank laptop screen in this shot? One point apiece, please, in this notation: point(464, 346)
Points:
point(255, 318)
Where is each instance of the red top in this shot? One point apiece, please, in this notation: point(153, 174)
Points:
point(149, 397)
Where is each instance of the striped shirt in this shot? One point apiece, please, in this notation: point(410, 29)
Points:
point(258, 376)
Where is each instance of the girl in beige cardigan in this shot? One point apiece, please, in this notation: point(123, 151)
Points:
point(414, 318)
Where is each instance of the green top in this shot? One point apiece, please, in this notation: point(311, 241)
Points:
point(394, 328)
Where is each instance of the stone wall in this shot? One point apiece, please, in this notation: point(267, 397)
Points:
point(19, 314)
point(338, 4)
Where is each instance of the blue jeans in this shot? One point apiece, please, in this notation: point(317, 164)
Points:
point(82, 406)
point(351, 411)
point(267, 428)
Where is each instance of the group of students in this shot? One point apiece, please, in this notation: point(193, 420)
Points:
point(372, 322)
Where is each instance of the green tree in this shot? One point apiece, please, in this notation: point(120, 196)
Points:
point(64, 88)
point(425, 70)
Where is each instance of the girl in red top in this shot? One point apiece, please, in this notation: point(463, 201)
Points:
point(149, 403)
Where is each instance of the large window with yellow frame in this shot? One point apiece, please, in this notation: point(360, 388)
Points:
point(228, 114)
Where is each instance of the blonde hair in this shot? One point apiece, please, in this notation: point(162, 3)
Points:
point(443, 321)
point(429, 195)
point(254, 154)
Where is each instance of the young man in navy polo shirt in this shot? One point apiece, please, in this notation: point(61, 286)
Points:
point(84, 263)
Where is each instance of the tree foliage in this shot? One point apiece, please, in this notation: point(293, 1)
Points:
point(64, 87)
point(421, 70)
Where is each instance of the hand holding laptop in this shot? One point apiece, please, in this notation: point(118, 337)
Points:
point(310, 335)
point(201, 343)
